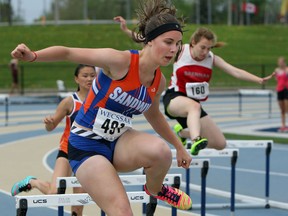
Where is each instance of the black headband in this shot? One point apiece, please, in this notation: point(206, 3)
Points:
point(162, 29)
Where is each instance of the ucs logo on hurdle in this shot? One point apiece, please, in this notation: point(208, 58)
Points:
point(137, 197)
point(85, 201)
point(40, 201)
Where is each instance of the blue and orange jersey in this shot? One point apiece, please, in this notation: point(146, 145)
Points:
point(77, 103)
point(126, 96)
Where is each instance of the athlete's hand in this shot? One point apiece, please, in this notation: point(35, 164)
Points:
point(49, 123)
point(265, 79)
point(122, 22)
point(183, 158)
point(22, 52)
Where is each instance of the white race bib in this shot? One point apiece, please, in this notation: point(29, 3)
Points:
point(197, 90)
point(110, 125)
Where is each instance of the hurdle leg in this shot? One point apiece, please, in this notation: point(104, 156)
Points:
point(267, 184)
point(233, 183)
point(240, 104)
point(204, 172)
point(176, 184)
point(61, 190)
point(23, 208)
point(270, 105)
point(151, 206)
point(6, 111)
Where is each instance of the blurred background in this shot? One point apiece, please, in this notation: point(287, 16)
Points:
point(255, 32)
point(230, 12)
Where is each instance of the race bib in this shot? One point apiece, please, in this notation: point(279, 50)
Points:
point(197, 90)
point(110, 125)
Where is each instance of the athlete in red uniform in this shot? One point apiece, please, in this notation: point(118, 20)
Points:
point(282, 91)
point(190, 85)
point(103, 142)
point(68, 108)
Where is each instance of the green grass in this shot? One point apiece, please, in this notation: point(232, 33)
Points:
point(253, 48)
point(251, 137)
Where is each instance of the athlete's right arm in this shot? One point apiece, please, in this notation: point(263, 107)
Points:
point(64, 108)
point(111, 60)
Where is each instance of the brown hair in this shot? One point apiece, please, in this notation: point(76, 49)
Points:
point(208, 34)
point(152, 14)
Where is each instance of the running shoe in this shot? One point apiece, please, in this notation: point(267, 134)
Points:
point(198, 144)
point(173, 197)
point(23, 185)
point(177, 128)
point(283, 129)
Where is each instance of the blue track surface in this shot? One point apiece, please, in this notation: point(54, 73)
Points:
point(250, 167)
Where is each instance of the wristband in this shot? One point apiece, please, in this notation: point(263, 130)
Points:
point(35, 56)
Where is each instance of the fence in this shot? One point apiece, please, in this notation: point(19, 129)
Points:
point(43, 76)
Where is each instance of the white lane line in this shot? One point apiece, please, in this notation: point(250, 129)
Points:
point(280, 174)
point(239, 197)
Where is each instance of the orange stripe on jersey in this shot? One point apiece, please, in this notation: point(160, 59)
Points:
point(65, 136)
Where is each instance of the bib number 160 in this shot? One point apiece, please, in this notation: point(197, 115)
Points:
point(198, 90)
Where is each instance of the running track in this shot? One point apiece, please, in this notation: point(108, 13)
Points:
point(27, 149)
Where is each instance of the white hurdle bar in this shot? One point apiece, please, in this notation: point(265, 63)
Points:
point(233, 154)
point(5, 97)
point(127, 180)
point(60, 200)
point(253, 93)
point(267, 144)
point(25, 202)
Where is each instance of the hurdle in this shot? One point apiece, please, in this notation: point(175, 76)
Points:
point(204, 165)
point(207, 153)
point(255, 92)
point(127, 180)
point(267, 144)
point(23, 203)
point(62, 95)
point(5, 97)
point(196, 163)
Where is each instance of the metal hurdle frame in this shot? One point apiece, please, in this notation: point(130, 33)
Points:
point(267, 144)
point(253, 93)
point(196, 163)
point(233, 154)
point(25, 202)
point(127, 180)
point(5, 97)
point(61, 200)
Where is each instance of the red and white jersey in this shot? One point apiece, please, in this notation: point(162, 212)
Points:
point(188, 70)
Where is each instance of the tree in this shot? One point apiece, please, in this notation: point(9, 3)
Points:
point(6, 12)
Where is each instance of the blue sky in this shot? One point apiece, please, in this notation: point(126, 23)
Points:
point(30, 9)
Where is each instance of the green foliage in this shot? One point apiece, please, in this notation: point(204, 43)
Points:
point(253, 48)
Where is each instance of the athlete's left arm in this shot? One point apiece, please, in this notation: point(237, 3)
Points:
point(157, 120)
point(239, 73)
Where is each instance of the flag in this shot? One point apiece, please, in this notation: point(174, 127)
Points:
point(248, 7)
